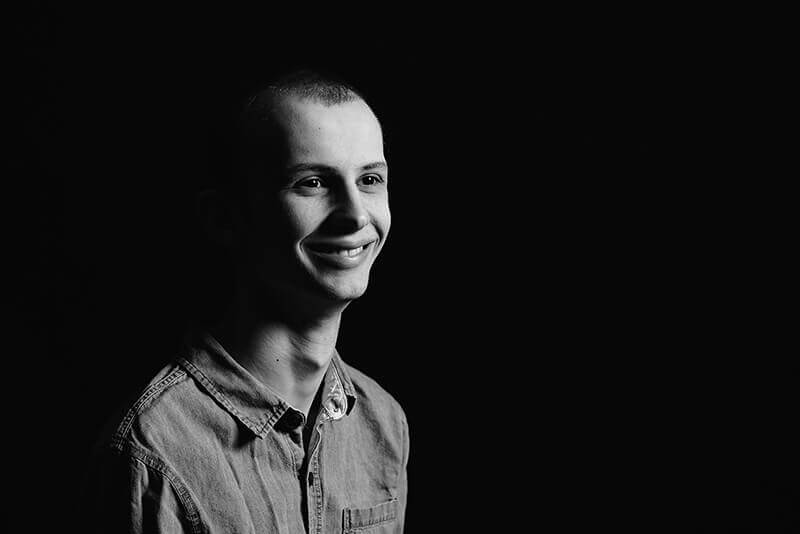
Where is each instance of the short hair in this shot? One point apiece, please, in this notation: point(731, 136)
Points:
point(249, 131)
point(304, 84)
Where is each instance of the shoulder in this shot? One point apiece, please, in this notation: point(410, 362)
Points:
point(380, 419)
point(162, 413)
point(372, 396)
point(133, 460)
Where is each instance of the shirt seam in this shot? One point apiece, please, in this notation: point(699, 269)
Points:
point(406, 444)
point(151, 461)
point(388, 517)
point(318, 492)
point(175, 376)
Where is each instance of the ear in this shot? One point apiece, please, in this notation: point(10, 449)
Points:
point(216, 213)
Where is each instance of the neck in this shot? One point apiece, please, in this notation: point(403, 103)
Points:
point(288, 353)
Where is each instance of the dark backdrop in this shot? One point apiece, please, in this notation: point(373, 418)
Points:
point(571, 307)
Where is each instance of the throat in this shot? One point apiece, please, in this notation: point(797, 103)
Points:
point(289, 361)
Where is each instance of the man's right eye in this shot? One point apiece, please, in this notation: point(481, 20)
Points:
point(311, 183)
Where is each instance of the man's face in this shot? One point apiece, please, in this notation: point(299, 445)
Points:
point(318, 224)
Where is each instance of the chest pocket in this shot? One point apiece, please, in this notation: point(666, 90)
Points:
point(377, 519)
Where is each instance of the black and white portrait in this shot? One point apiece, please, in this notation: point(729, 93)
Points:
point(468, 271)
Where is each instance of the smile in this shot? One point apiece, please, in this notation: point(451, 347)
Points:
point(339, 255)
point(349, 252)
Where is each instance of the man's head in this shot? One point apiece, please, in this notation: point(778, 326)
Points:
point(311, 191)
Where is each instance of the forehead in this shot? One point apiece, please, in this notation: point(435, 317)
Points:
point(345, 133)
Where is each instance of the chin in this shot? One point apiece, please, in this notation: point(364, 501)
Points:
point(347, 295)
point(345, 291)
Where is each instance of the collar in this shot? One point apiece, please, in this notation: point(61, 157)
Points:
point(247, 399)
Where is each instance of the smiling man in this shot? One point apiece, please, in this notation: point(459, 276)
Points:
point(260, 426)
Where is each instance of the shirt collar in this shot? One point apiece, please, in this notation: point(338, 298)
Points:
point(247, 399)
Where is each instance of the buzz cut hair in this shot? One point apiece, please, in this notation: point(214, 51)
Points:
point(304, 84)
point(249, 134)
point(310, 85)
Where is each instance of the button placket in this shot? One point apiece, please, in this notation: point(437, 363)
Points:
point(317, 493)
point(315, 498)
point(333, 407)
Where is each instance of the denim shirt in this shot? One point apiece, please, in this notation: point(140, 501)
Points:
point(208, 448)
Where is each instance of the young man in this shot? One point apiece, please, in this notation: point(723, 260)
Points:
point(260, 426)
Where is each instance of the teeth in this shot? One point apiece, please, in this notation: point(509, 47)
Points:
point(350, 253)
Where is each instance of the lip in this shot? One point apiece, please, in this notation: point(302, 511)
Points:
point(330, 252)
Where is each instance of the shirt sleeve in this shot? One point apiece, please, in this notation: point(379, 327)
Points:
point(129, 493)
point(402, 489)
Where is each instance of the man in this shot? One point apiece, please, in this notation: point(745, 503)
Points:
point(260, 426)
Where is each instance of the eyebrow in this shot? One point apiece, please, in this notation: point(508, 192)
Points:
point(374, 165)
point(318, 167)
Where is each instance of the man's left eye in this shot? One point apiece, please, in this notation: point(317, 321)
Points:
point(371, 179)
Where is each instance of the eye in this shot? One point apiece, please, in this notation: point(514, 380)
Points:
point(371, 179)
point(311, 183)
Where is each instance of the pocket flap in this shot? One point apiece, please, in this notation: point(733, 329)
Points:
point(374, 515)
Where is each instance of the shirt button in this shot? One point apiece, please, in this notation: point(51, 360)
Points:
point(292, 418)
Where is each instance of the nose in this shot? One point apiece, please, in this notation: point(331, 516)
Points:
point(350, 214)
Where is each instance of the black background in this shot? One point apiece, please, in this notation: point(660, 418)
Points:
point(578, 306)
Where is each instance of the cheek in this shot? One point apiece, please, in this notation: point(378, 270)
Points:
point(300, 219)
point(387, 222)
point(383, 217)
